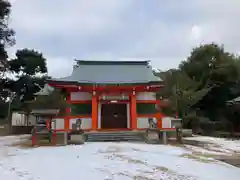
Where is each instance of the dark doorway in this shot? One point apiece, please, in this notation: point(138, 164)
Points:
point(114, 116)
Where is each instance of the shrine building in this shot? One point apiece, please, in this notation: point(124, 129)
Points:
point(109, 95)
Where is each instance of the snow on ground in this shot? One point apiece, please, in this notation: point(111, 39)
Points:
point(7, 141)
point(205, 151)
point(107, 161)
point(221, 145)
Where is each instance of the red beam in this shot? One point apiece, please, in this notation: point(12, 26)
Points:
point(109, 89)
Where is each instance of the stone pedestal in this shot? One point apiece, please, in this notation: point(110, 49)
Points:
point(152, 136)
point(76, 139)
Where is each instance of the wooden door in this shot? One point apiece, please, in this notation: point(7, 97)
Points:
point(114, 116)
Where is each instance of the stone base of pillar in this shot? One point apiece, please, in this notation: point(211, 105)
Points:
point(65, 138)
point(152, 136)
point(164, 137)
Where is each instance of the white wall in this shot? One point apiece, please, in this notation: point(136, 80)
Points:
point(78, 96)
point(115, 97)
point(18, 119)
point(86, 123)
point(142, 122)
point(166, 122)
point(58, 123)
point(21, 119)
point(146, 96)
point(99, 115)
point(128, 115)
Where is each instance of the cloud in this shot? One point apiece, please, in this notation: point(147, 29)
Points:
point(157, 30)
point(58, 17)
point(61, 66)
point(195, 32)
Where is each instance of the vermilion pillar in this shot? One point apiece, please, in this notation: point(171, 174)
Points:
point(68, 111)
point(94, 111)
point(133, 105)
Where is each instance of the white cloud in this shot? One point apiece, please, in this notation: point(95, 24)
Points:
point(62, 67)
point(12, 1)
point(195, 32)
point(163, 31)
point(64, 16)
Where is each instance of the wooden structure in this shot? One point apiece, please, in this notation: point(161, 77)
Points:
point(43, 127)
point(110, 95)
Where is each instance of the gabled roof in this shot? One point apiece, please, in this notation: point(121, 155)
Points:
point(44, 111)
point(110, 72)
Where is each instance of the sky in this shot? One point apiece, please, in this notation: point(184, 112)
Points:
point(163, 31)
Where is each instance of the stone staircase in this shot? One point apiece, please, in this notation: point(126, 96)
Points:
point(108, 136)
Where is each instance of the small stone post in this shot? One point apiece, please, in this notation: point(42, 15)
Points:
point(164, 133)
point(65, 138)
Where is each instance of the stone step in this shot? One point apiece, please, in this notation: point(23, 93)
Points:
point(113, 136)
point(113, 139)
point(121, 133)
point(113, 132)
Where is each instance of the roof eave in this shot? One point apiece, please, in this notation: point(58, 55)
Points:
point(95, 83)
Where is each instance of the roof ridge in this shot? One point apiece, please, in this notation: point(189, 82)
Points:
point(111, 62)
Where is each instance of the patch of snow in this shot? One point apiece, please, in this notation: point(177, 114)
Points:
point(118, 161)
point(8, 140)
point(218, 144)
point(6, 143)
point(203, 150)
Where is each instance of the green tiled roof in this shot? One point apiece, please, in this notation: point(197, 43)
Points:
point(111, 72)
